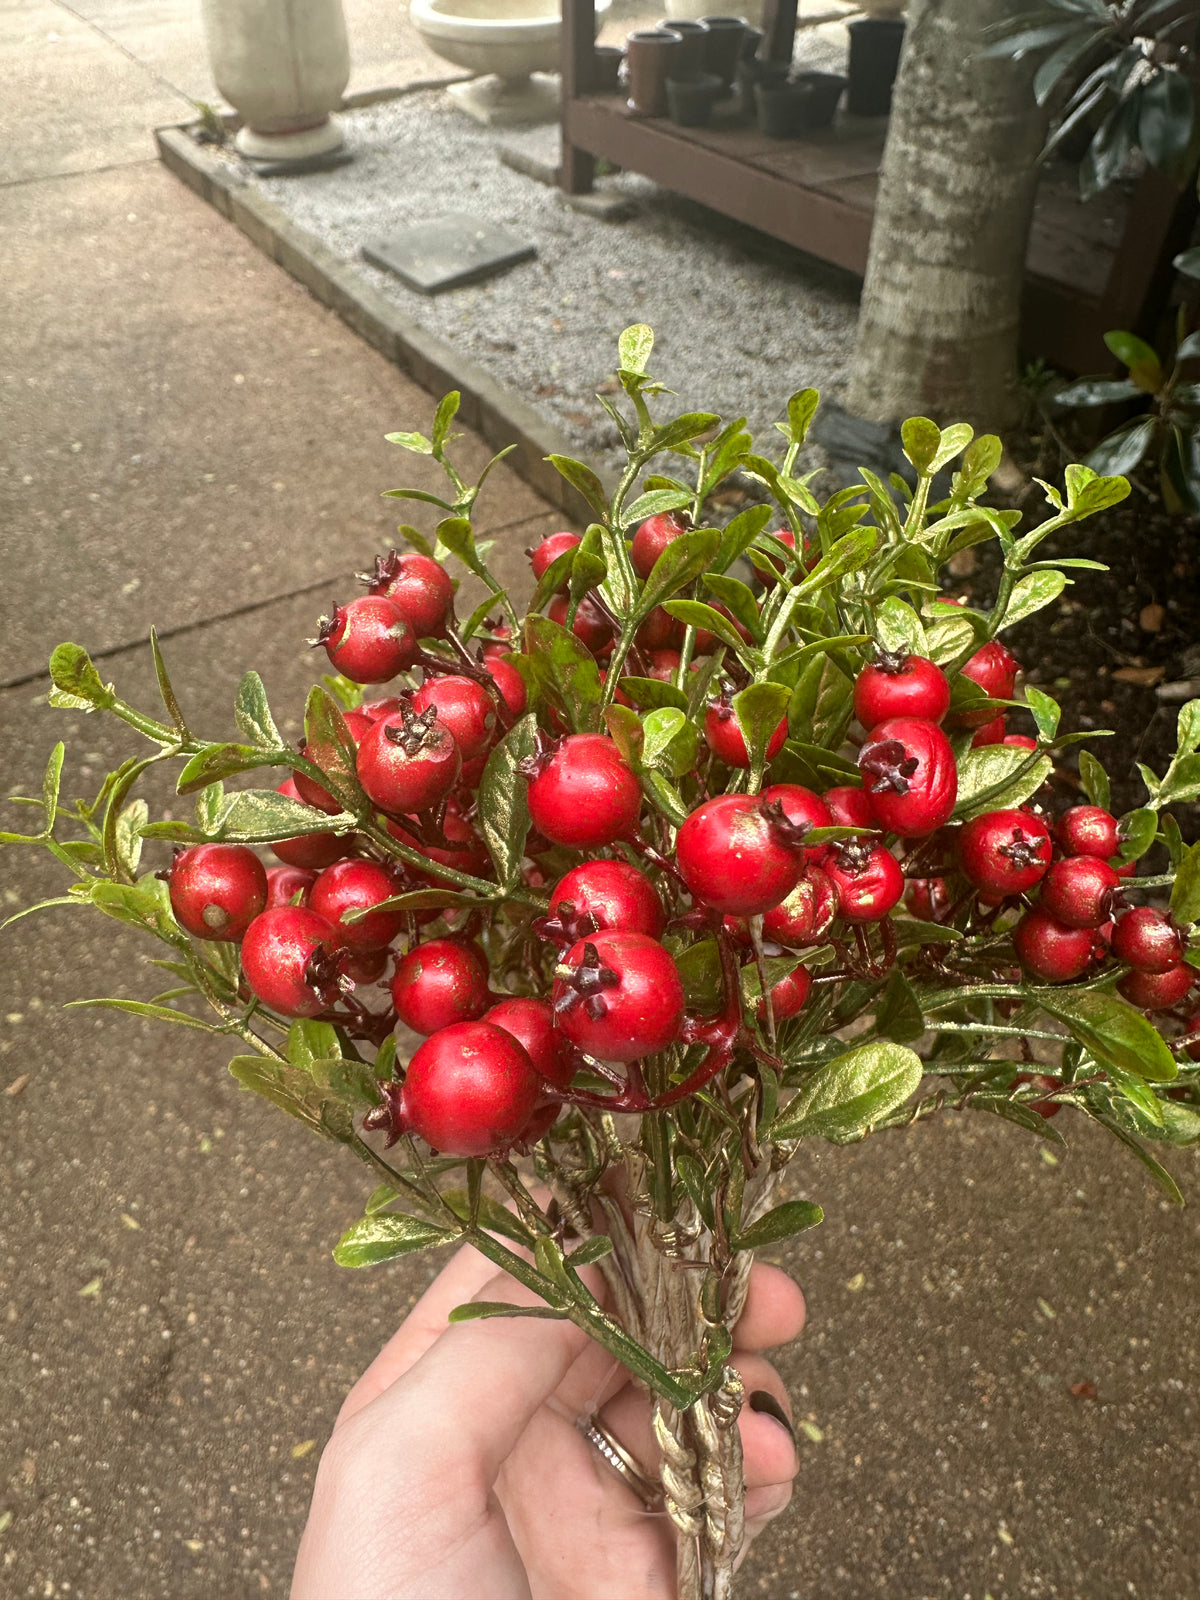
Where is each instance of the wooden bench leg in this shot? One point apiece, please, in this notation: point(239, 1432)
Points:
point(578, 59)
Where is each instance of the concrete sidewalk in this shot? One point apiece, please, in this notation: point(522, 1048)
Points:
point(191, 440)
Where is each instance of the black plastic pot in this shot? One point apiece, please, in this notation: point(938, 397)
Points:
point(722, 46)
point(819, 96)
point(607, 70)
point(688, 60)
point(751, 39)
point(875, 45)
point(691, 100)
point(754, 71)
point(649, 57)
point(777, 106)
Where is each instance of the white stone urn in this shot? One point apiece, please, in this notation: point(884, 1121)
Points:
point(283, 66)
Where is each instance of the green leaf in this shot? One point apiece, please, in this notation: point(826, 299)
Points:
point(1138, 1092)
point(847, 555)
point(1165, 117)
point(328, 743)
point(165, 689)
point(1046, 711)
point(783, 1222)
point(648, 694)
point(740, 533)
point(253, 715)
point(700, 973)
point(921, 439)
point(697, 614)
point(217, 761)
point(72, 673)
point(759, 711)
point(1185, 892)
point(899, 628)
point(1187, 728)
point(1112, 1031)
point(256, 816)
point(446, 412)
point(477, 1310)
point(683, 560)
point(503, 811)
point(1102, 493)
point(801, 409)
point(1094, 780)
point(995, 777)
point(910, 931)
point(739, 599)
point(682, 430)
point(1123, 450)
point(665, 798)
point(566, 670)
point(590, 1251)
point(127, 836)
point(1157, 1171)
point(954, 440)
point(584, 479)
point(634, 347)
point(1138, 832)
point(416, 442)
point(51, 780)
point(848, 1095)
point(1188, 262)
point(1183, 784)
point(625, 727)
point(385, 1236)
point(659, 729)
point(898, 1013)
point(1031, 593)
point(1095, 392)
point(140, 1008)
point(490, 1215)
point(653, 503)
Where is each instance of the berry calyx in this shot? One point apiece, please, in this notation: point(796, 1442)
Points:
point(618, 996)
point(418, 585)
point(1005, 852)
point(291, 961)
point(653, 537)
point(367, 641)
point(216, 890)
point(308, 850)
point(470, 1090)
point(910, 776)
point(739, 855)
point(548, 552)
point(605, 895)
point(409, 762)
point(531, 1023)
point(1147, 940)
point(804, 809)
point(724, 736)
point(440, 982)
point(582, 795)
point(1088, 831)
point(1048, 949)
point(898, 685)
point(1078, 891)
point(867, 879)
point(1157, 991)
point(357, 885)
point(463, 706)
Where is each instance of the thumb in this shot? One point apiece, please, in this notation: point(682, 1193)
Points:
point(487, 1378)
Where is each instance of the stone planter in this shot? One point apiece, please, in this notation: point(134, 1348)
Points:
point(283, 67)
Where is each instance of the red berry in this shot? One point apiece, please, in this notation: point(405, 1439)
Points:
point(991, 733)
point(1040, 1080)
point(994, 669)
point(909, 776)
point(365, 966)
point(309, 790)
point(652, 538)
point(374, 710)
point(724, 735)
point(531, 1023)
point(613, 895)
point(509, 682)
point(867, 879)
point(660, 631)
point(408, 762)
point(470, 1090)
point(735, 856)
point(618, 996)
point(788, 995)
point(1049, 950)
point(901, 686)
point(1088, 831)
point(583, 795)
point(217, 890)
point(285, 883)
point(663, 665)
point(1157, 991)
point(803, 808)
point(357, 885)
point(548, 552)
point(1078, 891)
point(369, 640)
point(309, 850)
point(927, 898)
point(1005, 852)
point(291, 961)
point(440, 982)
point(420, 586)
point(1020, 741)
point(849, 807)
point(1145, 939)
point(591, 627)
point(463, 706)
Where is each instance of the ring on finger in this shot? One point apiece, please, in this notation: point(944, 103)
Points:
point(615, 1455)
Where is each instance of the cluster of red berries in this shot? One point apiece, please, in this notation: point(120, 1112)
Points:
point(494, 1069)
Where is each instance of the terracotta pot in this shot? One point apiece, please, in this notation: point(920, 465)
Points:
point(649, 58)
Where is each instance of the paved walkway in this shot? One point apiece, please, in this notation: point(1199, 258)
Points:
point(189, 439)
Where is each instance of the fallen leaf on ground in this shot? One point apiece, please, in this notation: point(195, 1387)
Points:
point(18, 1084)
point(1085, 1391)
point(91, 1290)
point(299, 1451)
point(1152, 617)
point(1144, 677)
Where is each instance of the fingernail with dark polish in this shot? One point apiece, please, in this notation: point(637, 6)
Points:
point(762, 1400)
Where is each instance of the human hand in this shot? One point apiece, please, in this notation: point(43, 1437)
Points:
point(455, 1469)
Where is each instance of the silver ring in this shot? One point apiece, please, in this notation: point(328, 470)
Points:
point(622, 1463)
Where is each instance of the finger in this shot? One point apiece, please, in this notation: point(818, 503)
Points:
point(774, 1311)
point(480, 1383)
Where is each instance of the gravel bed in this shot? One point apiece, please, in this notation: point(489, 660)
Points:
point(740, 321)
